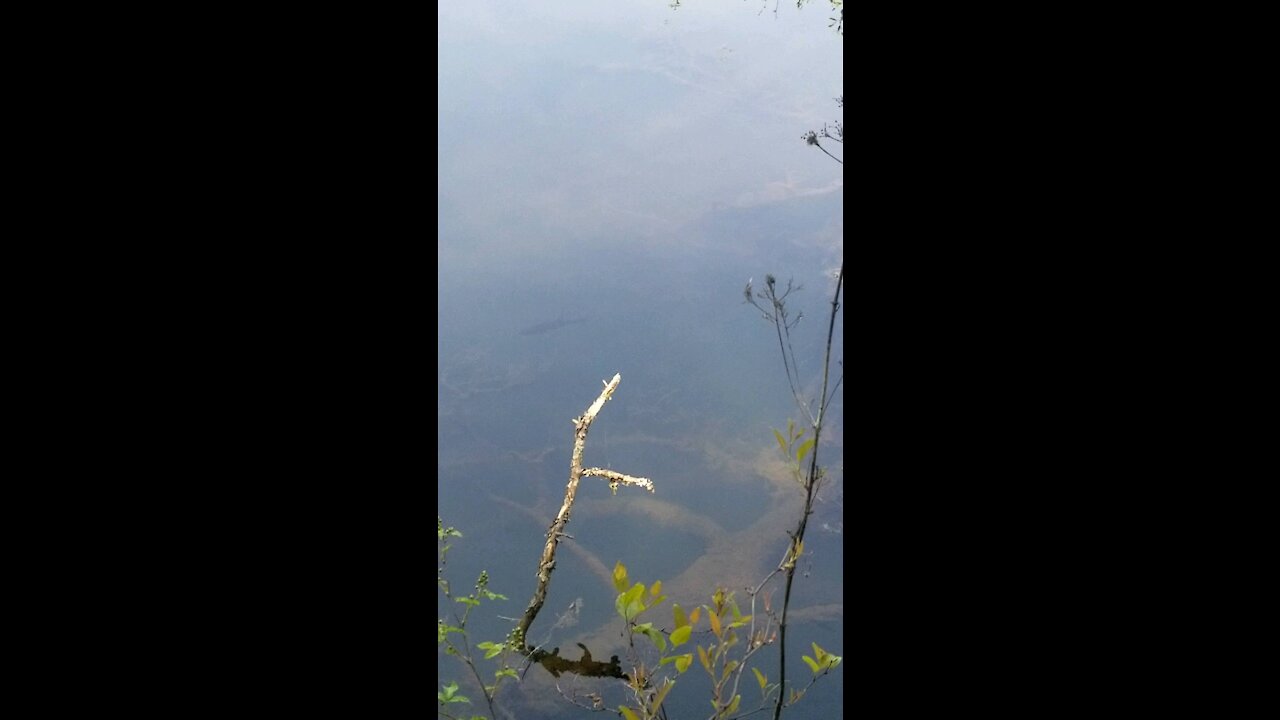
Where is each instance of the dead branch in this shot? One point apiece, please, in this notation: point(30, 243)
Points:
point(616, 478)
point(548, 561)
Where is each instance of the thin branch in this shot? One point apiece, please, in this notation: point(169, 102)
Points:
point(833, 157)
point(810, 488)
point(777, 314)
point(811, 138)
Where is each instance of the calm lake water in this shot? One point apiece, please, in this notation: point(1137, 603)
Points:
point(702, 387)
point(609, 181)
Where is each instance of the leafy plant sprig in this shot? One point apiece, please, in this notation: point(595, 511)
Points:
point(454, 637)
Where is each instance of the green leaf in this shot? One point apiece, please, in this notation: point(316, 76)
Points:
point(506, 672)
point(813, 665)
point(491, 649)
point(630, 603)
point(442, 631)
point(782, 444)
point(634, 609)
point(635, 593)
point(826, 659)
point(728, 668)
point(681, 661)
point(467, 600)
point(620, 577)
point(450, 694)
point(681, 635)
point(493, 595)
point(626, 713)
point(733, 706)
point(804, 449)
point(654, 635)
point(678, 611)
point(760, 677)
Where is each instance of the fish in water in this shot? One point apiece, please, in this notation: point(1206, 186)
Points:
point(546, 327)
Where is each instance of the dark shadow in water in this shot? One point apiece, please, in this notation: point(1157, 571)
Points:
point(584, 666)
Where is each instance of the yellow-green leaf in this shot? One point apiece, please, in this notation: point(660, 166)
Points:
point(682, 662)
point(702, 657)
point(633, 610)
point(782, 444)
point(694, 614)
point(678, 612)
point(620, 577)
point(681, 635)
point(657, 588)
point(760, 677)
point(626, 713)
point(813, 665)
point(804, 449)
point(629, 603)
point(654, 635)
point(715, 623)
point(819, 654)
point(733, 706)
point(825, 659)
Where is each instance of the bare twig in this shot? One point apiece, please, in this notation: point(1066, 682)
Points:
point(548, 561)
point(617, 478)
